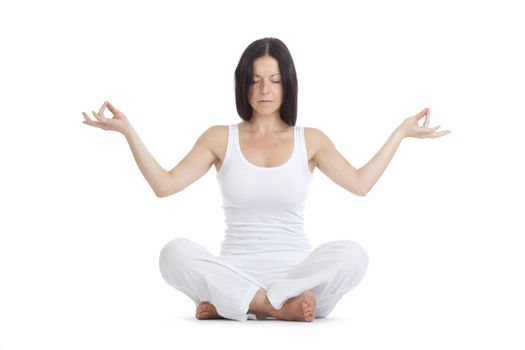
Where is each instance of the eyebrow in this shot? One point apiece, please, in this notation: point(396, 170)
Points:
point(270, 75)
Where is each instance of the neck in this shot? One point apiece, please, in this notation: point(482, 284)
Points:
point(267, 124)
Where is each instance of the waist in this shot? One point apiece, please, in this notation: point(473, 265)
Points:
point(263, 239)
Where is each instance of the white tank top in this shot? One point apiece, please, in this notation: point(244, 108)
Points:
point(263, 206)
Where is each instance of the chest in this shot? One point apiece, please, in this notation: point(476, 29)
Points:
point(268, 151)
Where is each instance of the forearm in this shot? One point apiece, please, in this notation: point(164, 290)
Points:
point(372, 171)
point(154, 174)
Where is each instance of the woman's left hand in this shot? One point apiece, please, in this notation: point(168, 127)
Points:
point(411, 128)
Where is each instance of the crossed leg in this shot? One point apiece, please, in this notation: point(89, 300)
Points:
point(309, 290)
point(300, 308)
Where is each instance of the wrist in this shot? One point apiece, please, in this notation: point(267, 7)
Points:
point(400, 132)
point(128, 131)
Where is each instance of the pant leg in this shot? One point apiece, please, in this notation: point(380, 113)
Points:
point(330, 271)
point(193, 270)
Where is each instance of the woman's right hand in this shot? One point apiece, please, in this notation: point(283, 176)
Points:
point(119, 122)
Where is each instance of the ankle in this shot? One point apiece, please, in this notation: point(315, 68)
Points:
point(260, 304)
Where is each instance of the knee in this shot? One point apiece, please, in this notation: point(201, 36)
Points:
point(350, 254)
point(175, 252)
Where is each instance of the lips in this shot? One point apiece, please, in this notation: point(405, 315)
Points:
point(264, 101)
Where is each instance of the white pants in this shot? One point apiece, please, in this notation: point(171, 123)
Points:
point(230, 282)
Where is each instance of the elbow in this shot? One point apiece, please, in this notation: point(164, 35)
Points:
point(362, 192)
point(359, 192)
point(165, 188)
point(164, 192)
point(363, 187)
point(161, 193)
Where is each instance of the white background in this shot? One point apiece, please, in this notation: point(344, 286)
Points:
point(81, 231)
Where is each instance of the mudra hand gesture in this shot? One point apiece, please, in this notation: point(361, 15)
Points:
point(119, 122)
point(411, 128)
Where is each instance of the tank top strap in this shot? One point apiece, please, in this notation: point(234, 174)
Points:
point(234, 135)
point(302, 153)
point(232, 143)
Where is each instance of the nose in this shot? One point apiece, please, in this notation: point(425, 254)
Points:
point(265, 87)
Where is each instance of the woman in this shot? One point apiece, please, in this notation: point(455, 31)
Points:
point(266, 267)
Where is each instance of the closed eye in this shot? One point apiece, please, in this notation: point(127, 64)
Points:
point(276, 82)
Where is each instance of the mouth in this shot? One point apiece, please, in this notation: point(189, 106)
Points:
point(264, 101)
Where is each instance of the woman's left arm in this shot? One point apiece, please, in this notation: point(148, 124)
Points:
point(372, 171)
point(360, 181)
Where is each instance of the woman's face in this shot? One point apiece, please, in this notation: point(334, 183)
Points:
point(266, 90)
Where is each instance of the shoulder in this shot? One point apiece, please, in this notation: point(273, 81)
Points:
point(316, 142)
point(316, 138)
point(215, 133)
point(217, 128)
point(215, 138)
point(313, 132)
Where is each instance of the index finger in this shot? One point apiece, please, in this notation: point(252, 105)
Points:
point(427, 119)
point(420, 114)
point(111, 108)
point(101, 110)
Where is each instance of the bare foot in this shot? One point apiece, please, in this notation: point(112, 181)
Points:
point(300, 308)
point(206, 311)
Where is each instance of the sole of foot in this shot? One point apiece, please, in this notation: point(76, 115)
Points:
point(300, 308)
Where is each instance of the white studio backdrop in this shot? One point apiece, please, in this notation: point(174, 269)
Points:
point(80, 229)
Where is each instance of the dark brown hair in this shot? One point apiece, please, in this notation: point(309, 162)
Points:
point(244, 74)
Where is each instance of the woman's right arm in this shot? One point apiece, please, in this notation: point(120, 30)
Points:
point(164, 183)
